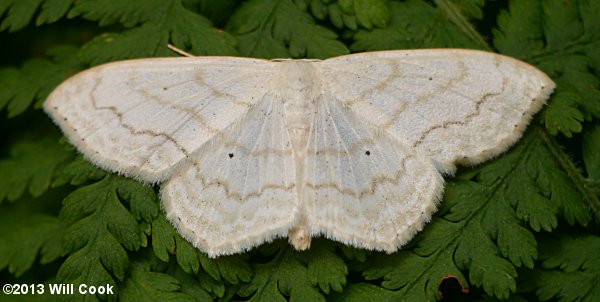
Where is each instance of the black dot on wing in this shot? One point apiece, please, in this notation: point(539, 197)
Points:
point(368, 153)
point(230, 155)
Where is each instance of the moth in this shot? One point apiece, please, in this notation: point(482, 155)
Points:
point(352, 148)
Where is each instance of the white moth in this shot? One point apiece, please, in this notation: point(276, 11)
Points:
point(248, 150)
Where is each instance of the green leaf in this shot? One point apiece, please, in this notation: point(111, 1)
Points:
point(350, 13)
point(147, 40)
point(31, 167)
point(157, 23)
point(563, 40)
point(52, 11)
point(519, 33)
point(570, 268)
point(412, 277)
point(417, 24)
point(371, 13)
point(282, 277)
point(360, 292)
point(163, 238)
point(470, 8)
point(24, 235)
point(77, 172)
point(325, 268)
point(128, 13)
point(353, 253)
point(339, 19)
point(480, 255)
point(479, 229)
point(591, 156)
point(100, 230)
point(143, 202)
point(19, 13)
point(209, 284)
point(278, 29)
point(563, 115)
point(538, 186)
point(167, 241)
point(317, 8)
point(234, 269)
point(218, 11)
point(145, 285)
point(195, 33)
point(193, 286)
point(36, 79)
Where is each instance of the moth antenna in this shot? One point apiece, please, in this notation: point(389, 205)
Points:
point(179, 51)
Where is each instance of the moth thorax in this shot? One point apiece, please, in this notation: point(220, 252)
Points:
point(299, 97)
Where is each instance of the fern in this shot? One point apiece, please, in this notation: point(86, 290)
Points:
point(36, 79)
point(521, 227)
point(570, 52)
point(277, 29)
